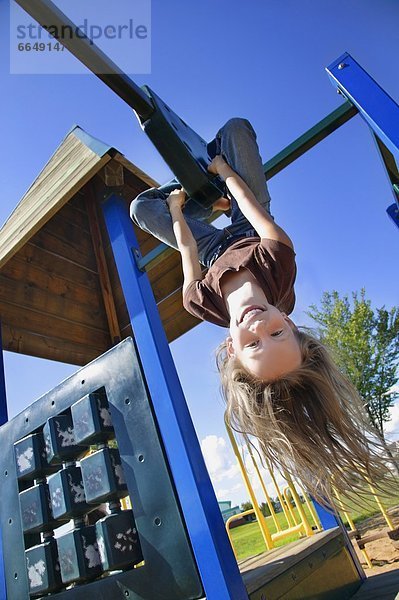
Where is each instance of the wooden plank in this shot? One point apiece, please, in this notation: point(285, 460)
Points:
point(102, 267)
point(64, 249)
point(41, 324)
point(41, 201)
point(327, 574)
point(46, 346)
point(126, 331)
point(291, 552)
point(70, 234)
point(31, 296)
point(79, 218)
point(383, 586)
point(171, 307)
point(179, 322)
point(180, 327)
point(303, 565)
point(57, 267)
point(18, 269)
point(258, 560)
point(135, 170)
point(176, 320)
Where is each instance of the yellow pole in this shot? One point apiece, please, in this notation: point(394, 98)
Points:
point(381, 507)
point(352, 526)
point(261, 519)
point(287, 532)
point(311, 508)
point(306, 525)
point(286, 493)
point(234, 518)
point(287, 515)
point(262, 483)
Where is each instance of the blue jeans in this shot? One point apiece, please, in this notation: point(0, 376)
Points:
point(236, 141)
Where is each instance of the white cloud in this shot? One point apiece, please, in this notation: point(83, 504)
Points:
point(226, 476)
point(228, 493)
point(219, 459)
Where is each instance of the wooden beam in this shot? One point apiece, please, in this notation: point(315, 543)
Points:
point(46, 346)
point(56, 266)
point(105, 283)
point(32, 275)
point(31, 295)
point(40, 323)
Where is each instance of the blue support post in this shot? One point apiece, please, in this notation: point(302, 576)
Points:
point(3, 419)
point(393, 212)
point(375, 106)
point(328, 520)
point(215, 559)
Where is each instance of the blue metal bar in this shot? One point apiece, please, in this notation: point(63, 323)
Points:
point(393, 213)
point(375, 106)
point(216, 563)
point(3, 419)
point(327, 519)
point(391, 169)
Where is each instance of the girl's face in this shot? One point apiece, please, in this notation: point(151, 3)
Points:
point(261, 336)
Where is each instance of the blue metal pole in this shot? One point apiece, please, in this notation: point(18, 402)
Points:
point(327, 519)
point(3, 419)
point(375, 106)
point(215, 559)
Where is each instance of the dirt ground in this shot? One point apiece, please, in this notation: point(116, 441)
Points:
point(382, 553)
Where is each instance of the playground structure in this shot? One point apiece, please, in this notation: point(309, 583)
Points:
point(74, 284)
point(299, 524)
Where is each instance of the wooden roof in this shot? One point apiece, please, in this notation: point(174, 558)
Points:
point(60, 295)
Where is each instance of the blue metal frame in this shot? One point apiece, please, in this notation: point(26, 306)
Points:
point(215, 559)
point(375, 106)
point(3, 419)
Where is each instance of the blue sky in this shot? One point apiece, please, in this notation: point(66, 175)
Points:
point(212, 61)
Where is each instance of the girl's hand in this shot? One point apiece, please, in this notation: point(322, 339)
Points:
point(222, 204)
point(176, 199)
point(216, 165)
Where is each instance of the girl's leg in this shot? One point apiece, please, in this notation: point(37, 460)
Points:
point(236, 140)
point(150, 212)
point(239, 147)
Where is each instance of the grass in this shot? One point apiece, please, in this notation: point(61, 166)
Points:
point(248, 540)
point(359, 513)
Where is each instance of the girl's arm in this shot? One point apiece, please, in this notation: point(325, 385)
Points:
point(185, 239)
point(259, 218)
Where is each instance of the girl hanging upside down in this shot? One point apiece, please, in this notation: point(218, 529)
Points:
point(279, 382)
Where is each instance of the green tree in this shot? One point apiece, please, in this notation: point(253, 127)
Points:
point(265, 510)
point(246, 506)
point(365, 345)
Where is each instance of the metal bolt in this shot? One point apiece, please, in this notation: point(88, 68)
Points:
point(342, 66)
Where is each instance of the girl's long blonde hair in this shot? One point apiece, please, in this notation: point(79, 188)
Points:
point(311, 422)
